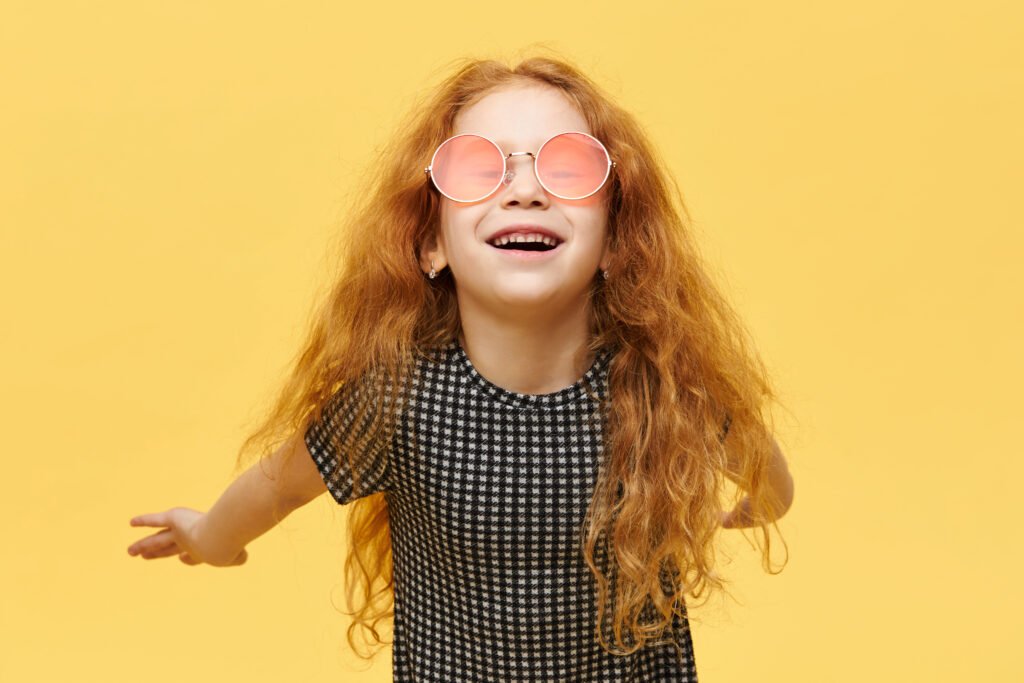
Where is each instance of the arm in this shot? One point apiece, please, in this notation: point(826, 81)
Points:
point(253, 504)
point(259, 499)
point(780, 481)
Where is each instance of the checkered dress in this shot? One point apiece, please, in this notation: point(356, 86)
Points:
point(486, 516)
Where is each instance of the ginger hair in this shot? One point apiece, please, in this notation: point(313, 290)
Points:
point(683, 364)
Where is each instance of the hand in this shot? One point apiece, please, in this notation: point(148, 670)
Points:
point(180, 536)
point(739, 516)
point(736, 517)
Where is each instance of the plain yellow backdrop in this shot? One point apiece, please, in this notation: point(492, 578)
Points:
point(170, 174)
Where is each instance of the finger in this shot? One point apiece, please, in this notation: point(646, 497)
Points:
point(187, 559)
point(145, 543)
point(152, 544)
point(150, 519)
point(242, 557)
point(163, 552)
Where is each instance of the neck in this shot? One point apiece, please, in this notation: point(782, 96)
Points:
point(536, 354)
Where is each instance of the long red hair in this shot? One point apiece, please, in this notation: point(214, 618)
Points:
point(683, 363)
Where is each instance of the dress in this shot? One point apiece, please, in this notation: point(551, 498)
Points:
point(490, 581)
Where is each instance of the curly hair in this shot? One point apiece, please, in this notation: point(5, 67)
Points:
point(682, 365)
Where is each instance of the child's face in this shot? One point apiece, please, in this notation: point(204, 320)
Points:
point(520, 119)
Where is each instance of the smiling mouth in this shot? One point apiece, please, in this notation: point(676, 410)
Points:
point(526, 246)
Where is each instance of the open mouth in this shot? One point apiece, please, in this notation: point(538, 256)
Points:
point(534, 245)
point(525, 246)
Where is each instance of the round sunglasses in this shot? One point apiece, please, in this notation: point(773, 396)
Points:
point(469, 167)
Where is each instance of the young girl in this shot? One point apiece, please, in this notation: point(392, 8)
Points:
point(522, 380)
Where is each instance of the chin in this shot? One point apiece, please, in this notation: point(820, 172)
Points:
point(537, 297)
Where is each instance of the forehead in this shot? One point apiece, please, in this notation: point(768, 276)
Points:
point(521, 117)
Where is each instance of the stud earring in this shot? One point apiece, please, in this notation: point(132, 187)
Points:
point(605, 273)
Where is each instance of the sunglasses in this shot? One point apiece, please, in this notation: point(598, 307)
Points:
point(468, 167)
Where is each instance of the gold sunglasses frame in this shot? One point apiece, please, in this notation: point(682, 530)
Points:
point(508, 174)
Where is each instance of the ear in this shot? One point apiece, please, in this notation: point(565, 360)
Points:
point(607, 256)
point(432, 253)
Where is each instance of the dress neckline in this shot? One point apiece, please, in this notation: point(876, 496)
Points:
point(575, 392)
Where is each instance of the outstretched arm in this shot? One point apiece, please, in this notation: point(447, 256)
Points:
point(255, 502)
point(261, 497)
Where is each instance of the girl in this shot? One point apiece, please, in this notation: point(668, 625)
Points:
point(522, 380)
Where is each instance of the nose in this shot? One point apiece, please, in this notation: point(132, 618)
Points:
point(522, 186)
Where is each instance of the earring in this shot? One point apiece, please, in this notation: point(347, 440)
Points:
point(433, 273)
point(605, 273)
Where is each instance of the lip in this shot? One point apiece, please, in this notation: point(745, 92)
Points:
point(525, 229)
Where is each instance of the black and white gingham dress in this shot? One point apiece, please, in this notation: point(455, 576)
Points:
point(490, 582)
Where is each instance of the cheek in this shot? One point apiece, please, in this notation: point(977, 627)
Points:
point(591, 222)
point(597, 236)
point(460, 227)
point(452, 222)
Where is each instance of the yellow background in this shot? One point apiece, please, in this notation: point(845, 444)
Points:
point(170, 173)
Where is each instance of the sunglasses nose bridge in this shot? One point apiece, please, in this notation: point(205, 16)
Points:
point(509, 171)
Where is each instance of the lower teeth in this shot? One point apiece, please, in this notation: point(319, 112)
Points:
point(524, 248)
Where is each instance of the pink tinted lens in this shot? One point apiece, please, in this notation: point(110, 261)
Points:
point(467, 167)
point(572, 165)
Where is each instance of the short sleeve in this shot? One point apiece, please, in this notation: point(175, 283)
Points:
point(324, 439)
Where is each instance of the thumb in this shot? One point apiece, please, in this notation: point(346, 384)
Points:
point(187, 559)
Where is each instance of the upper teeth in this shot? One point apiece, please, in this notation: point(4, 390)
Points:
point(532, 237)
